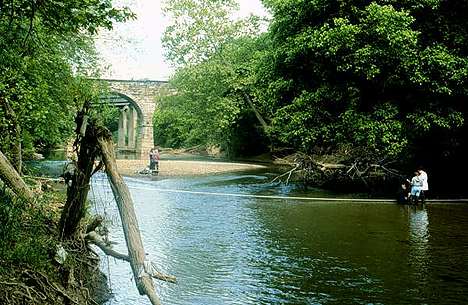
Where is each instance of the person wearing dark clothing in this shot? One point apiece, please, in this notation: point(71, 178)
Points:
point(403, 193)
point(154, 159)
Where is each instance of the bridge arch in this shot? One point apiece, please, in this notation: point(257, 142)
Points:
point(137, 103)
point(120, 99)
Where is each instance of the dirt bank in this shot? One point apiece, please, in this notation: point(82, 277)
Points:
point(183, 168)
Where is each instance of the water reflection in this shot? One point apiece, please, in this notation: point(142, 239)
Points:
point(419, 256)
point(233, 250)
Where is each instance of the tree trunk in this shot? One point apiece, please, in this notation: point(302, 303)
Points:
point(257, 114)
point(77, 192)
point(247, 98)
point(11, 177)
point(124, 202)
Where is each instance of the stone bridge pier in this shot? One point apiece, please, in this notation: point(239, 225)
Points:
point(136, 101)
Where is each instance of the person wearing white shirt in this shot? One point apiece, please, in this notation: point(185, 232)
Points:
point(416, 187)
point(425, 184)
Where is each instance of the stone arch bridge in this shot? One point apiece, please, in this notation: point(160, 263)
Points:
point(136, 100)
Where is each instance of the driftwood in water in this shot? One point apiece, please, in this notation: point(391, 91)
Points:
point(312, 171)
point(13, 180)
point(77, 192)
point(124, 202)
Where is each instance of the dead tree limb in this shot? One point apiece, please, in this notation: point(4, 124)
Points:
point(13, 180)
point(259, 117)
point(97, 240)
point(77, 192)
point(124, 202)
point(289, 173)
point(363, 172)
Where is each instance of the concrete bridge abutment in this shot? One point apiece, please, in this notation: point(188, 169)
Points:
point(136, 101)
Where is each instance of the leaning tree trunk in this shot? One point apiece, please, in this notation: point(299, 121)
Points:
point(10, 176)
point(124, 202)
point(77, 192)
point(259, 117)
point(247, 98)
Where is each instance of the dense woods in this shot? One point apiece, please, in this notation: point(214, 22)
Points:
point(347, 81)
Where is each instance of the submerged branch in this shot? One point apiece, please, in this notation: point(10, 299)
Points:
point(289, 173)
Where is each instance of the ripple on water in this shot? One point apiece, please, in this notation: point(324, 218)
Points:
point(233, 250)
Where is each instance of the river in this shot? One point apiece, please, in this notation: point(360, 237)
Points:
point(249, 250)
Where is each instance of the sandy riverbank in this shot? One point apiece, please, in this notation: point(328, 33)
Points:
point(184, 168)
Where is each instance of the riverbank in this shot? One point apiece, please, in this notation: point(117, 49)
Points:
point(36, 267)
point(184, 168)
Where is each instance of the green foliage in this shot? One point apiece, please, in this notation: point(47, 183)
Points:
point(213, 53)
point(378, 80)
point(24, 232)
point(44, 48)
point(108, 116)
point(202, 108)
point(201, 28)
point(377, 75)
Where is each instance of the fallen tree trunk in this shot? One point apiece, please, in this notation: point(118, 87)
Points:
point(13, 180)
point(136, 253)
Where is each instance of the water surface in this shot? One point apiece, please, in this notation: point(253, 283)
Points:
point(238, 250)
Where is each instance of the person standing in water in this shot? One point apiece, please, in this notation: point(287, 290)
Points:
point(403, 193)
point(156, 158)
point(153, 158)
point(416, 186)
point(425, 184)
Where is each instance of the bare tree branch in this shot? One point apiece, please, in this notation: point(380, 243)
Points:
point(97, 240)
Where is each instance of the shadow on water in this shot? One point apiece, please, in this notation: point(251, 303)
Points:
point(237, 250)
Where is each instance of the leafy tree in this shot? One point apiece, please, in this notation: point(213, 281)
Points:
point(387, 79)
point(373, 75)
point(362, 80)
point(43, 44)
point(201, 28)
point(212, 93)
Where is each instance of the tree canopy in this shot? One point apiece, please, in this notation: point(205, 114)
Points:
point(376, 75)
point(45, 46)
point(361, 80)
point(210, 101)
point(375, 80)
